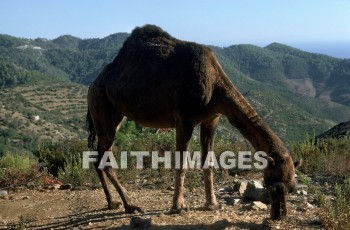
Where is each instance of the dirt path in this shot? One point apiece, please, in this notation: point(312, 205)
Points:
point(86, 209)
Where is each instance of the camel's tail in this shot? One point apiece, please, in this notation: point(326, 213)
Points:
point(91, 129)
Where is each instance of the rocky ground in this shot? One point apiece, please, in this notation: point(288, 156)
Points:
point(85, 208)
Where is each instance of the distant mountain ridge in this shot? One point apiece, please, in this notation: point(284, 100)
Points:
point(80, 60)
point(294, 91)
point(65, 58)
point(313, 75)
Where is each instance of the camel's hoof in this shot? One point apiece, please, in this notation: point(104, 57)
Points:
point(211, 207)
point(178, 211)
point(133, 209)
point(115, 205)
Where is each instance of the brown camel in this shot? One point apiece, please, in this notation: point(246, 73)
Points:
point(162, 82)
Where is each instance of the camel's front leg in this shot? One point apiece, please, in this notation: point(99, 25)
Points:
point(184, 131)
point(207, 141)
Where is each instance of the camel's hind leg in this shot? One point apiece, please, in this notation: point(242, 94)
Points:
point(106, 119)
point(102, 176)
point(207, 134)
point(105, 141)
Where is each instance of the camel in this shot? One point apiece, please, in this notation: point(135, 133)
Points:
point(162, 82)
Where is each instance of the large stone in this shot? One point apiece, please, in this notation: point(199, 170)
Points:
point(256, 192)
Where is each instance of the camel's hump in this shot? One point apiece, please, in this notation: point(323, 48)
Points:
point(149, 32)
point(151, 40)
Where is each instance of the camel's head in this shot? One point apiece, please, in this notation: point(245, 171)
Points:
point(279, 178)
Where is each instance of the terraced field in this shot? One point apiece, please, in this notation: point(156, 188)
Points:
point(50, 111)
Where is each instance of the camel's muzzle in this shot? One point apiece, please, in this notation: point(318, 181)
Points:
point(278, 195)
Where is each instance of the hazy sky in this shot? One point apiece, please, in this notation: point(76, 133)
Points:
point(213, 22)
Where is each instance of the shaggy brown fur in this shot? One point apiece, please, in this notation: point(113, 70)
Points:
point(159, 81)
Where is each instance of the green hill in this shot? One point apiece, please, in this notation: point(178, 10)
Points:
point(295, 91)
point(314, 75)
point(65, 58)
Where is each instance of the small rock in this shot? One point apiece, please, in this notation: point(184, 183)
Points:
point(148, 186)
point(3, 193)
point(228, 189)
point(25, 198)
point(301, 187)
point(30, 185)
point(228, 199)
point(302, 200)
point(66, 186)
point(4, 222)
point(46, 187)
point(55, 186)
point(309, 206)
point(257, 205)
point(78, 188)
point(236, 201)
point(170, 188)
point(138, 222)
point(304, 192)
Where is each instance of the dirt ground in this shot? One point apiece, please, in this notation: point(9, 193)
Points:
point(86, 209)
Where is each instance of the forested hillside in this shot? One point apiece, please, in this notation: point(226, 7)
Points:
point(295, 91)
point(65, 58)
point(309, 74)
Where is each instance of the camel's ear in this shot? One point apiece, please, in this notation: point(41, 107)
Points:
point(271, 161)
point(298, 163)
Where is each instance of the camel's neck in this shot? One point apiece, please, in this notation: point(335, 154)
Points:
point(242, 115)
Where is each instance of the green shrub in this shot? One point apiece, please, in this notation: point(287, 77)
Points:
point(75, 174)
point(327, 157)
point(56, 155)
point(336, 213)
point(340, 210)
point(17, 169)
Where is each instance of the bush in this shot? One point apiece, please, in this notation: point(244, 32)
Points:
point(75, 174)
point(340, 210)
point(56, 156)
point(326, 157)
point(336, 213)
point(17, 169)
point(64, 160)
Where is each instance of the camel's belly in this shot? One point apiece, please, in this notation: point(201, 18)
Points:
point(160, 106)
